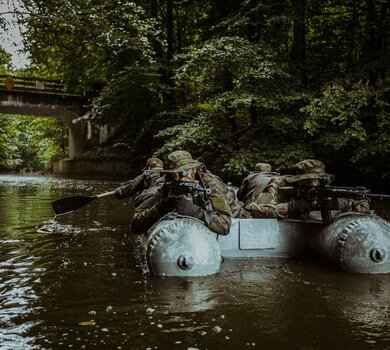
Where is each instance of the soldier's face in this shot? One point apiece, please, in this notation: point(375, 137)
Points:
point(310, 182)
point(189, 175)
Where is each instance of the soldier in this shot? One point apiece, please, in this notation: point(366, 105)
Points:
point(148, 182)
point(236, 206)
point(215, 213)
point(258, 191)
point(309, 173)
point(271, 203)
point(256, 182)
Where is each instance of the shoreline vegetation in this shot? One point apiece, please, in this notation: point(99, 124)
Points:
point(232, 82)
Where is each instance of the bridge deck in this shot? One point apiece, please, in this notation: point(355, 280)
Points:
point(35, 85)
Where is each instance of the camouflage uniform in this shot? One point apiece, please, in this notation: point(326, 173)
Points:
point(278, 205)
point(253, 192)
point(236, 206)
point(255, 183)
point(314, 169)
point(274, 204)
point(216, 215)
point(148, 182)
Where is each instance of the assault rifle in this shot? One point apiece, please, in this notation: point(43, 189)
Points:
point(191, 189)
point(187, 188)
point(326, 198)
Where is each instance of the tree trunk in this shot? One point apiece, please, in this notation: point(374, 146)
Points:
point(169, 31)
point(154, 14)
point(298, 50)
point(232, 120)
point(371, 26)
point(383, 34)
point(219, 9)
point(170, 52)
point(253, 114)
point(179, 30)
point(252, 23)
point(153, 9)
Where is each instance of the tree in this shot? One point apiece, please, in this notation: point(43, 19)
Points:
point(88, 42)
point(251, 80)
point(224, 80)
point(9, 153)
point(5, 61)
point(31, 142)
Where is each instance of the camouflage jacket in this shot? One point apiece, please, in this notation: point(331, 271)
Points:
point(254, 184)
point(148, 182)
point(148, 213)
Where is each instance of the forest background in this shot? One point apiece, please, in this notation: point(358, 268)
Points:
point(233, 82)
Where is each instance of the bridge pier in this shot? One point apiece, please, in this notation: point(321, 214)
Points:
point(76, 140)
point(67, 108)
point(77, 135)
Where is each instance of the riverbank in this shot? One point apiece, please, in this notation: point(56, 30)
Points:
point(101, 169)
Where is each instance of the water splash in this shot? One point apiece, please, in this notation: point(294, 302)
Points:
point(52, 226)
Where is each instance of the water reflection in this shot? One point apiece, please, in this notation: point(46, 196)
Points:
point(17, 295)
point(182, 294)
point(80, 281)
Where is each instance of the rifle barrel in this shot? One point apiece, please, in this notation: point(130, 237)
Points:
point(358, 193)
point(379, 195)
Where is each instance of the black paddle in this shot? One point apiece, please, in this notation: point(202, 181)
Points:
point(68, 204)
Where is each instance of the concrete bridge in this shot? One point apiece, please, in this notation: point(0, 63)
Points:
point(42, 97)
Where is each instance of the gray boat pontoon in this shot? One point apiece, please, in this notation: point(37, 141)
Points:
point(183, 246)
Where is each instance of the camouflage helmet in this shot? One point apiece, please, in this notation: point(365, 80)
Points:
point(263, 167)
point(180, 160)
point(154, 163)
point(308, 169)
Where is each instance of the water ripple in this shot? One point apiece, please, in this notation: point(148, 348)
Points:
point(52, 226)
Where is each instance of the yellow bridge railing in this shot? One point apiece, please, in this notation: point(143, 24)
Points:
point(35, 85)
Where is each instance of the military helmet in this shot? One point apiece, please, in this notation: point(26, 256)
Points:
point(308, 169)
point(180, 160)
point(263, 167)
point(154, 163)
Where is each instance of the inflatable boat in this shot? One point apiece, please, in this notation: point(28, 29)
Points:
point(184, 246)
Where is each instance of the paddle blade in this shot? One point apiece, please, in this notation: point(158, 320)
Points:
point(65, 205)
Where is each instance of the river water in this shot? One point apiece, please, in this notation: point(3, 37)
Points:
point(79, 281)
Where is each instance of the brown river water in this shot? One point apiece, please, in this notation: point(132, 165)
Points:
point(79, 281)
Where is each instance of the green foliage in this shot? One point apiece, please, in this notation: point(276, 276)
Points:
point(347, 38)
point(224, 81)
point(5, 61)
point(230, 63)
point(192, 21)
point(10, 156)
point(353, 120)
point(47, 140)
point(31, 142)
point(341, 113)
point(86, 42)
point(114, 105)
point(248, 76)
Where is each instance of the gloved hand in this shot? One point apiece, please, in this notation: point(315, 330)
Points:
point(131, 187)
point(298, 207)
point(119, 192)
point(185, 206)
point(166, 204)
point(342, 204)
point(125, 190)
